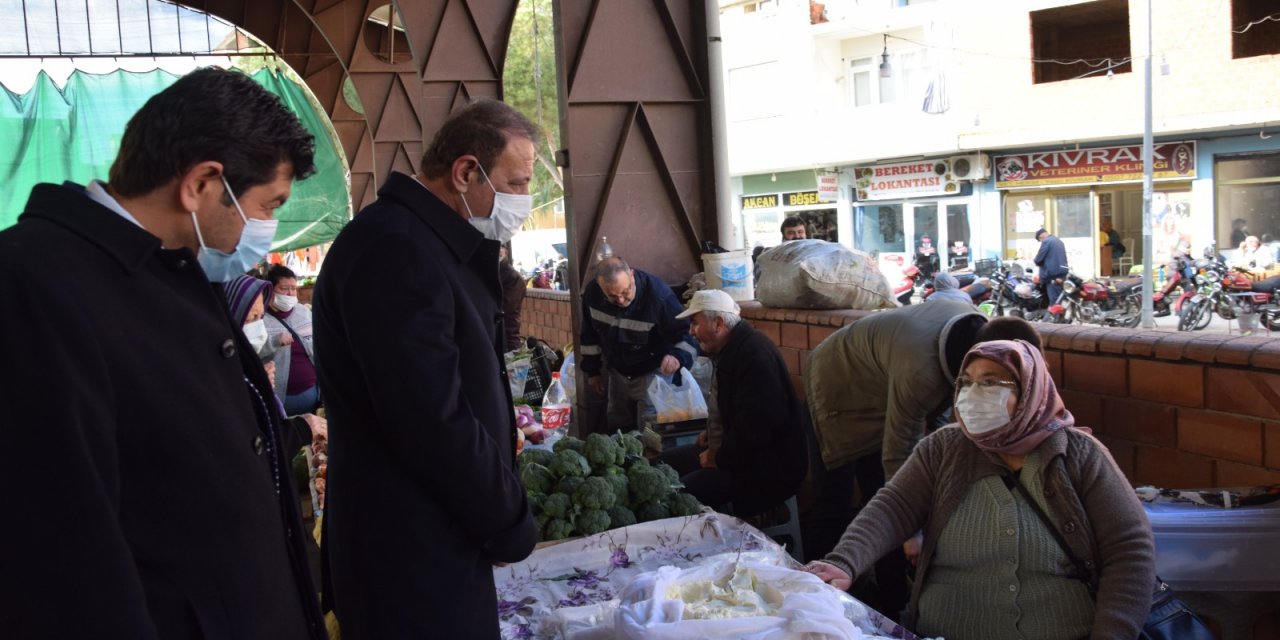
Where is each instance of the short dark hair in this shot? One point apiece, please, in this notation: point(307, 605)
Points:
point(791, 221)
point(279, 272)
point(483, 129)
point(211, 114)
point(1041, 232)
point(960, 338)
point(1009, 328)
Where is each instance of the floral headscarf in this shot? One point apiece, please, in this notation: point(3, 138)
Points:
point(1040, 411)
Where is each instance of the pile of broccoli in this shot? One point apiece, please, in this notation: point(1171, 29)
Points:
point(587, 486)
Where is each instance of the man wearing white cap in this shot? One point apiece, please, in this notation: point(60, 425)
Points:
point(760, 459)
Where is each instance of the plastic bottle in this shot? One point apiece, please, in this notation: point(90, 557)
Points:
point(555, 405)
point(605, 250)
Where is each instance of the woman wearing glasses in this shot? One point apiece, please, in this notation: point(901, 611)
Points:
point(998, 495)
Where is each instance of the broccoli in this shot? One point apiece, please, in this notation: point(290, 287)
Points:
point(672, 476)
point(557, 505)
point(538, 456)
point(611, 470)
point(647, 484)
point(653, 511)
point(619, 485)
point(568, 442)
point(535, 502)
point(630, 443)
point(601, 451)
point(620, 516)
point(569, 485)
point(541, 520)
point(592, 521)
point(634, 461)
point(683, 504)
point(537, 478)
point(569, 463)
point(595, 493)
point(557, 529)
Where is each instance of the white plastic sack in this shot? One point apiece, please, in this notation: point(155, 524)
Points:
point(670, 403)
point(519, 364)
point(786, 604)
point(567, 375)
point(816, 274)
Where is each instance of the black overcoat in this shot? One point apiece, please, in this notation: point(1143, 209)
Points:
point(423, 495)
point(764, 445)
point(140, 499)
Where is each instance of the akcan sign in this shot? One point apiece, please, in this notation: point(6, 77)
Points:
point(1170, 161)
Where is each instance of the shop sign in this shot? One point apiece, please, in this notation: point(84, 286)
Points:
point(800, 198)
point(766, 201)
point(905, 180)
point(1171, 161)
point(828, 187)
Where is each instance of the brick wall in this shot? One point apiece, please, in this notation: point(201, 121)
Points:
point(546, 314)
point(1177, 410)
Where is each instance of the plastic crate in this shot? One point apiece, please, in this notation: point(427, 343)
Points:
point(1212, 549)
point(985, 267)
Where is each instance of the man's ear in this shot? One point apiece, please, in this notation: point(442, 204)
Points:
point(461, 170)
point(195, 184)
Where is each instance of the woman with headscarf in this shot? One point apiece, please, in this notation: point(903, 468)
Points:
point(984, 491)
point(247, 297)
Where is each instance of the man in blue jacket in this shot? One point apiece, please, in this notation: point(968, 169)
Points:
point(1052, 261)
point(629, 319)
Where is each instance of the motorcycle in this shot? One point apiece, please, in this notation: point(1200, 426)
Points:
point(907, 285)
point(1225, 291)
point(1178, 288)
point(980, 290)
point(1017, 293)
point(1113, 302)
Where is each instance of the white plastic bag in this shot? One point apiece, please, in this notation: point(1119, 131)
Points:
point(567, 374)
point(816, 274)
point(519, 364)
point(795, 604)
point(671, 403)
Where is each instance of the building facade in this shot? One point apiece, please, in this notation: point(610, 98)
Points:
point(976, 122)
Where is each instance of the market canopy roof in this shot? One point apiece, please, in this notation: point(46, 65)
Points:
point(72, 133)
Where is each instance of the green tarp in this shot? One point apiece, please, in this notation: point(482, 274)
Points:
point(52, 135)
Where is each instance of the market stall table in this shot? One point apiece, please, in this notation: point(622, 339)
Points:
point(564, 588)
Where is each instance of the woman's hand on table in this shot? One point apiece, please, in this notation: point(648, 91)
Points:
point(830, 574)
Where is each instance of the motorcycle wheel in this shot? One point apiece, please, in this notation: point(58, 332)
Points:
point(1190, 317)
point(1272, 319)
point(1134, 309)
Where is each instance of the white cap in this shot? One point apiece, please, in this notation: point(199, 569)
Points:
point(710, 300)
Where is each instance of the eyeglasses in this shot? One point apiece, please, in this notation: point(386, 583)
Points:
point(964, 381)
point(621, 296)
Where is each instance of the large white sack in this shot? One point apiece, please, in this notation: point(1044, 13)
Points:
point(816, 274)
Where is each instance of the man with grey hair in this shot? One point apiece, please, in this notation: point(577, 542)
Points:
point(629, 321)
point(760, 458)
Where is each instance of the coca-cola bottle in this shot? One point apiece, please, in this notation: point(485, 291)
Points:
point(555, 405)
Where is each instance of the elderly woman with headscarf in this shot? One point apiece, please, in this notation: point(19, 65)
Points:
point(246, 299)
point(986, 492)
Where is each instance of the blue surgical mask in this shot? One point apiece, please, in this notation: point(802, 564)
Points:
point(255, 242)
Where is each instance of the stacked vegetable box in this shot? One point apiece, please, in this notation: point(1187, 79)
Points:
point(582, 487)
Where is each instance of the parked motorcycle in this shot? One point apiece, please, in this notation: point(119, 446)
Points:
point(979, 289)
point(1177, 289)
point(1225, 291)
point(1113, 302)
point(1017, 294)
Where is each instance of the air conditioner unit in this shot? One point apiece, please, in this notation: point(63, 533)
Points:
point(974, 166)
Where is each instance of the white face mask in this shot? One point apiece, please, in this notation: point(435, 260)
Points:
point(256, 332)
point(284, 303)
point(983, 409)
point(507, 215)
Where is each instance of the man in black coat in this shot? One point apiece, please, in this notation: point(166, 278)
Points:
point(423, 494)
point(147, 493)
point(760, 458)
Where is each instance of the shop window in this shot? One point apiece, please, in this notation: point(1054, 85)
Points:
point(1248, 199)
point(958, 252)
point(1080, 40)
point(1255, 30)
point(878, 229)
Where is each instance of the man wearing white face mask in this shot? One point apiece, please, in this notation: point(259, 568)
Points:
point(289, 344)
point(423, 495)
point(169, 513)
